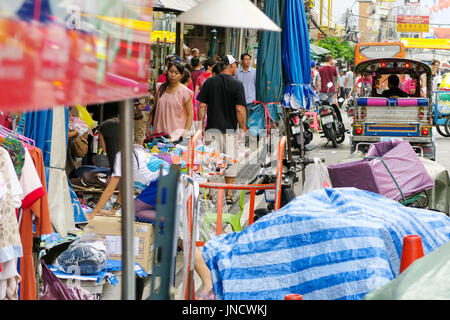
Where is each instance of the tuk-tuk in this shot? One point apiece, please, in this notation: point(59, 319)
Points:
point(441, 117)
point(381, 114)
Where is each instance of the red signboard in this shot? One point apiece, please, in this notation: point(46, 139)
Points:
point(413, 23)
point(413, 19)
point(51, 58)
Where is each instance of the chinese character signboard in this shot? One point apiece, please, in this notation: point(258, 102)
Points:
point(72, 52)
point(413, 23)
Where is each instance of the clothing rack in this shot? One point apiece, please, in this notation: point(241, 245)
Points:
point(5, 132)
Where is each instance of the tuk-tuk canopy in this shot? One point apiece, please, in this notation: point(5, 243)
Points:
point(392, 65)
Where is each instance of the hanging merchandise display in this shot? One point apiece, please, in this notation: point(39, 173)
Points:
point(56, 54)
point(77, 52)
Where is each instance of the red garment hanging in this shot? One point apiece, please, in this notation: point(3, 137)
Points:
point(40, 209)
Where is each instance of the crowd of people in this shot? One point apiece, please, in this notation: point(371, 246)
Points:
point(343, 80)
point(197, 93)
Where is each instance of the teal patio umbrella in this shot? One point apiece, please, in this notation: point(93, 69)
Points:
point(269, 71)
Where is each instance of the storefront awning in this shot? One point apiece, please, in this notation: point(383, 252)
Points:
point(233, 14)
point(177, 5)
point(317, 52)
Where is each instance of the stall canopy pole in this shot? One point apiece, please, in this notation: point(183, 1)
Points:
point(126, 191)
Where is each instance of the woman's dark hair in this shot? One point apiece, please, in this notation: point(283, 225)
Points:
point(216, 68)
point(209, 63)
point(189, 67)
point(186, 76)
point(195, 62)
point(180, 67)
point(110, 130)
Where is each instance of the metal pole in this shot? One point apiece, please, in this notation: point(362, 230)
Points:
point(126, 193)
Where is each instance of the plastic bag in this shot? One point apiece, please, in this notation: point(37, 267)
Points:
point(255, 122)
point(54, 289)
point(317, 177)
point(83, 257)
point(84, 115)
point(207, 229)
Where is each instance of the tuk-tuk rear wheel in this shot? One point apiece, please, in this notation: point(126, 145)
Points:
point(447, 127)
point(441, 130)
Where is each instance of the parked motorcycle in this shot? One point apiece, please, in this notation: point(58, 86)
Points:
point(296, 117)
point(350, 108)
point(331, 120)
point(268, 174)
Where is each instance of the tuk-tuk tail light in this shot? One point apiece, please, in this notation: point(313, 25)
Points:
point(425, 131)
point(358, 131)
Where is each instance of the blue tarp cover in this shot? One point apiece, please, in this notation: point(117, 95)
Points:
point(325, 245)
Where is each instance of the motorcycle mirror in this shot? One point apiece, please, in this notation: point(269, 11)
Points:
point(329, 84)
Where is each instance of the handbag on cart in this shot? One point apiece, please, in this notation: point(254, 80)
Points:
point(80, 145)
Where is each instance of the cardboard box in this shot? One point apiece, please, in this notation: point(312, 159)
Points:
point(109, 229)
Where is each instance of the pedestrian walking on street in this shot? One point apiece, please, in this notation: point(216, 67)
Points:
point(195, 53)
point(341, 86)
point(435, 64)
point(222, 99)
point(170, 58)
point(328, 73)
point(247, 75)
point(173, 111)
point(348, 83)
point(209, 64)
point(197, 70)
point(315, 77)
point(140, 125)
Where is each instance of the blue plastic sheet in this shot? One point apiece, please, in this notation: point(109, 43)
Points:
point(325, 245)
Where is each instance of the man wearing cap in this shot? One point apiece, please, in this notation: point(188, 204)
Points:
point(222, 99)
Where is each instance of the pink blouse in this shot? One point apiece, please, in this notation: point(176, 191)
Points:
point(171, 114)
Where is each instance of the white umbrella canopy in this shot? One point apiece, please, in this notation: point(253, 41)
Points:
point(228, 14)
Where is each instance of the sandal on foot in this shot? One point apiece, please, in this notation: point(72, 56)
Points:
point(229, 199)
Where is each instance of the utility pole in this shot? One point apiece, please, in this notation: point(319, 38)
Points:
point(329, 13)
point(321, 13)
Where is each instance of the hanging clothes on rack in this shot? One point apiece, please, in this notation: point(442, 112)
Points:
point(48, 129)
point(10, 241)
point(29, 168)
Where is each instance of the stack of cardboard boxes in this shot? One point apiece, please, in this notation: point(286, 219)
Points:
point(109, 229)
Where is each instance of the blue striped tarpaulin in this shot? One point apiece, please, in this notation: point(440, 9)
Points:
point(329, 244)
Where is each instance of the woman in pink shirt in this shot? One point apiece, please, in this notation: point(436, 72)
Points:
point(174, 111)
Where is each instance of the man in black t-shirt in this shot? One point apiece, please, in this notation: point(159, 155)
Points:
point(222, 99)
point(394, 90)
